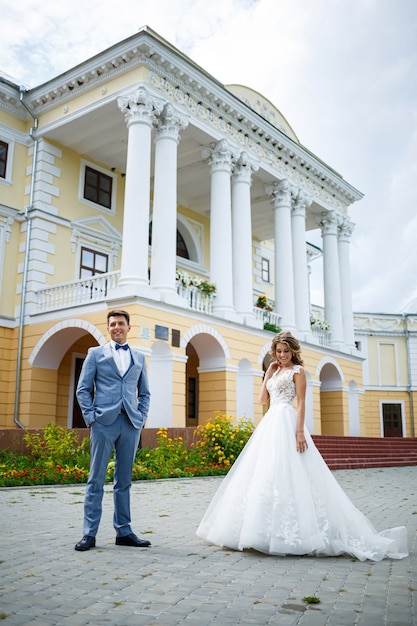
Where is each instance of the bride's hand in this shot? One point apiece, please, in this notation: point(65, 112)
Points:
point(273, 368)
point(301, 442)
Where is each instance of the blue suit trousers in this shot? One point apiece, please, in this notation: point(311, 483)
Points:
point(123, 437)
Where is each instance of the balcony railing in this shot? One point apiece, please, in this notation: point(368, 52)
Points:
point(266, 316)
point(193, 298)
point(322, 336)
point(98, 288)
point(83, 291)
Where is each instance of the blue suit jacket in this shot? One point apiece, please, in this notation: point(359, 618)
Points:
point(102, 392)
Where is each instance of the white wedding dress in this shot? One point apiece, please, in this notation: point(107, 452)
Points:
point(279, 501)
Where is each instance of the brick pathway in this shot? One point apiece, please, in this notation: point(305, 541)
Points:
point(181, 580)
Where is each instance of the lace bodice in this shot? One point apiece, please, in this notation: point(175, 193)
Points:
point(281, 387)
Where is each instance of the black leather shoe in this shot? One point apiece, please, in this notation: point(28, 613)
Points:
point(86, 543)
point(133, 541)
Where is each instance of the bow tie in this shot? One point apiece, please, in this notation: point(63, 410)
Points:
point(124, 347)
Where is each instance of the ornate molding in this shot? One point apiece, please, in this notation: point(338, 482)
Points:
point(281, 193)
point(219, 155)
point(6, 226)
point(96, 230)
point(346, 228)
point(184, 83)
point(243, 168)
point(329, 223)
point(377, 323)
point(302, 201)
point(170, 122)
point(140, 106)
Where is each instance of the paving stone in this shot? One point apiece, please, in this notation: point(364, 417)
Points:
point(180, 580)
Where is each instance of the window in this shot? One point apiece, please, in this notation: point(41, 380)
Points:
point(192, 404)
point(265, 270)
point(92, 263)
point(4, 148)
point(98, 187)
point(181, 246)
point(182, 249)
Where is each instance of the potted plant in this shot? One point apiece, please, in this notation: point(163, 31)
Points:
point(262, 303)
point(319, 324)
point(186, 280)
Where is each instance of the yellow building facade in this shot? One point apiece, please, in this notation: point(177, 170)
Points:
point(137, 181)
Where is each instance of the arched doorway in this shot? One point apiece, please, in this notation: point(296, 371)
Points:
point(210, 385)
point(334, 408)
point(192, 395)
point(60, 353)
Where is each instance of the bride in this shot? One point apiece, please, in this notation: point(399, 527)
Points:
point(280, 497)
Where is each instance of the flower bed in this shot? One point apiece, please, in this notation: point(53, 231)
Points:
point(57, 456)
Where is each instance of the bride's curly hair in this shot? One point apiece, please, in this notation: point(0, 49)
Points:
point(293, 344)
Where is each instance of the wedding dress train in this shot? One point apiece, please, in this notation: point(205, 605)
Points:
point(278, 501)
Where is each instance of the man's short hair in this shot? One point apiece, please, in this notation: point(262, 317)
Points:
point(118, 313)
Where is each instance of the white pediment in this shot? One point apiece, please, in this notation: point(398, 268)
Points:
point(96, 226)
point(96, 231)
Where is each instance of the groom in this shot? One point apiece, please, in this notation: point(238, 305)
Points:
point(113, 394)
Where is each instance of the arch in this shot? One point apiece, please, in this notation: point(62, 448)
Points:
point(330, 374)
point(264, 353)
point(333, 401)
point(160, 369)
point(48, 352)
point(191, 240)
point(214, 385)
point(205, 329)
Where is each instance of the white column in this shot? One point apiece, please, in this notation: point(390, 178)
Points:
point(284, 273)
point(164, 217)
point(299, 252)
point(345, 231)
point(140, 110)
point(220, 159)
point(242, 238)
point(331, 278)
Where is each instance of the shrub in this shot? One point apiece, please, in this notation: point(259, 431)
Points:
point(57, 457)
point(221, 439)
point(57, 445)
point(273, 328)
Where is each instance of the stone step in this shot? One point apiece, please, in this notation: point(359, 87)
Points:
point(362, 452)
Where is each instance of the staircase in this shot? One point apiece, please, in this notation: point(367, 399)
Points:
point(365, 452)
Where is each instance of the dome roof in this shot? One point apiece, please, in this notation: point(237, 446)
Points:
point(411, 307)
point(263, 107)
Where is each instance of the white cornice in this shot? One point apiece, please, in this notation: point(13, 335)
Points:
point(10, 100)
point(149, 50)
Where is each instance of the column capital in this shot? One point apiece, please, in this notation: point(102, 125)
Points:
point(139, 106)
point(328, 222)
point(243, 168)
point(281, 193)
point(301, 202)
point(346, 228)
point(170, 122)
point(219, 155)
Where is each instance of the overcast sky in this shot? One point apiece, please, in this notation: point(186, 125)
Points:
point(342, 72)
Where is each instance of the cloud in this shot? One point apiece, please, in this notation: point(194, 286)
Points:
point(343, 73)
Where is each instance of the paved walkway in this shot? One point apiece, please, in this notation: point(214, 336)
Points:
point(182, 581)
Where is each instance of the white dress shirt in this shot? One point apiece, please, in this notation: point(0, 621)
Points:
point(122, 358)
